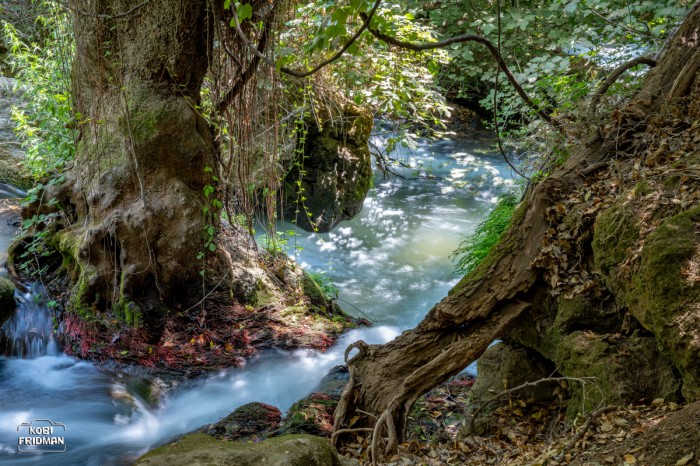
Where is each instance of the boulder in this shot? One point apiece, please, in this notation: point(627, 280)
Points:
point(311, 415)
point(329, 176)
point(663, 291)
point(504, 366)
point(202, 449)
point(627, 370)
point(252, 421)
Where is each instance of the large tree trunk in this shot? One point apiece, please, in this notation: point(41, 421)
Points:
point(134, 193)
point(387, 379)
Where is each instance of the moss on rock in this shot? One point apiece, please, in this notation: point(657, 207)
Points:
point(202, 449)
point(13, 172)
point(626, 369)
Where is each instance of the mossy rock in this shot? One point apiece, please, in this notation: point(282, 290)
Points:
point(311, 415)
point(12, 171)
point(252, 421)
point(627, 370)
point(507, 365)
point(202, 449)
point(7, 299)
point(616, 232)
point(663, 292)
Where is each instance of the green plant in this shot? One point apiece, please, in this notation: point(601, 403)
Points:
point(47, 123)
point(474, 247)
point(325, 282)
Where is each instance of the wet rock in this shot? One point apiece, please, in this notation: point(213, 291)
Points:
point(252, 421)
point(329, 178)
point(333, 383)
point(7, 299)
point(202, 449)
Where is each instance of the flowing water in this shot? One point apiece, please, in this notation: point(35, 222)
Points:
point(390, 263)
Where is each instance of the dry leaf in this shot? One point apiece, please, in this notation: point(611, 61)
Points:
point(685, 460)
point(629, 459)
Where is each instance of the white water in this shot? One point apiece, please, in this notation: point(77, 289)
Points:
point(391, 262)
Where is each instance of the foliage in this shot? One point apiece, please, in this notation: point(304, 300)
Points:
point(474, 247)
point(46, 124)
point(558, 50)
point(325, 282)
point(400, 86)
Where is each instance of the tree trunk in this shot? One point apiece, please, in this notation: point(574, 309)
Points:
point(134, 193)
point(387, 379)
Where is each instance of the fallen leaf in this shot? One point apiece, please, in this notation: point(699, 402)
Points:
point(685, 460)
point(629, 459)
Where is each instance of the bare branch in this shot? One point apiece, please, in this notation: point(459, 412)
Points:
point(303, 74)
point(612, 77)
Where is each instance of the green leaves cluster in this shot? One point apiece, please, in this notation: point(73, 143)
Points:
point(474, 247)
point(559, 50)
point(46, 124)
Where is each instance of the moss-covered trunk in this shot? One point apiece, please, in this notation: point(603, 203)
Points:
point(387, 379)
point(133, 196)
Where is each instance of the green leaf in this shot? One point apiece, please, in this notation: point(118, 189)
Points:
point(212, 247)
point(244, 12)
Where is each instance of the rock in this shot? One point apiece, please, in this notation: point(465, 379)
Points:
point(504, 366)
point(311, 415)
point(627, 369)
point(329, 178)
point(252, 421)
point(333, 383)
point(7, 299)
point(202, 449)
point(663, 292)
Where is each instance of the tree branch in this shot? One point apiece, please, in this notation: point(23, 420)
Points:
point(612, 77)
point(471, 38)
point(248, 73)
point(303, 74)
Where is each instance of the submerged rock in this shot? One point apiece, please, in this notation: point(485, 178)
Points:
point(202, 449)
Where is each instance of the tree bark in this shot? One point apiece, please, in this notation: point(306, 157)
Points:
point(387, 379)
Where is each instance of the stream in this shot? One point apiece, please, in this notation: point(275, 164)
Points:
point(390, 263)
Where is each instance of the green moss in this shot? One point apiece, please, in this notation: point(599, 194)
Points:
point(616, 231)
point(202, 449)
point(128, 312)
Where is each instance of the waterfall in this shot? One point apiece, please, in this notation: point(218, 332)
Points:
point(30, 333)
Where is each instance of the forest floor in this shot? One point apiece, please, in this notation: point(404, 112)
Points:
point(523, 432)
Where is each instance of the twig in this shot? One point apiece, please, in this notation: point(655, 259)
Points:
point(612, 77)
point(579, 435)
point(520, 387)
point(304, 74)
